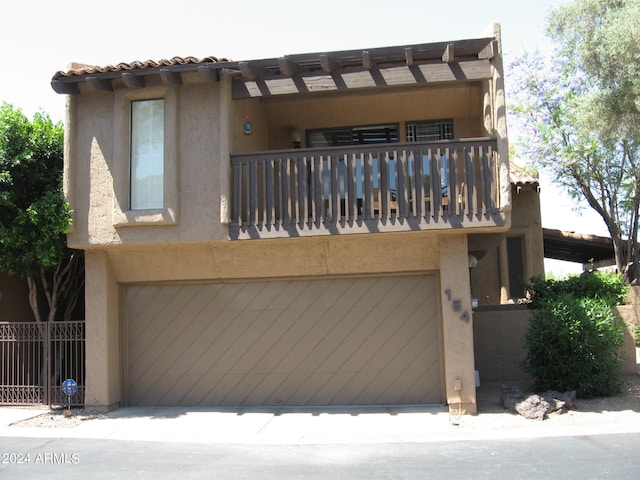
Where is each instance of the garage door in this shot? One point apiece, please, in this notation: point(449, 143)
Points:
point(342, 341)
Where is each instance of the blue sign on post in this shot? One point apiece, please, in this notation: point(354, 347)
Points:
point(69, 387)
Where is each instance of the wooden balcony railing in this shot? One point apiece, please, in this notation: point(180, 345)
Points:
point(390, 187)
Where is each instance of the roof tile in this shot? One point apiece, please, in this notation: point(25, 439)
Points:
point(83, 69)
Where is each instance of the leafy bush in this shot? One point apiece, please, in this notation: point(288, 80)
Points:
point(574, 338)
point(608, 287)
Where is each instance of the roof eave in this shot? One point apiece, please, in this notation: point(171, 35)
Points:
point(307, 64)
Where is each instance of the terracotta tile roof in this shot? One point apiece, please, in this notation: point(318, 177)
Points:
point(517, 178)
point(75, 69)
point(521, 175)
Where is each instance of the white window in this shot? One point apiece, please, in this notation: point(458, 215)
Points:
point(429, 130)
point(334, 137)
point(147, 155)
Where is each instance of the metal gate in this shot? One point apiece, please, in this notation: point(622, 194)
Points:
point(36, 357)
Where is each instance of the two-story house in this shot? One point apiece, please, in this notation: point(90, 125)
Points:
point(294, 231)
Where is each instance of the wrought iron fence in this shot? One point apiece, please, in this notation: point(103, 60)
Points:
point(36, 357)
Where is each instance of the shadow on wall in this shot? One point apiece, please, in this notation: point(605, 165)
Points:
point(498, 338)
point(14, 300)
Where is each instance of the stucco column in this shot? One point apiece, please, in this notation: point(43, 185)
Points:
point(457, 321)
point(102, 334)
point(225, 173)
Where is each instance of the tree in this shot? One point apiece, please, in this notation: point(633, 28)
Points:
point(580, 108)
point(34, 217)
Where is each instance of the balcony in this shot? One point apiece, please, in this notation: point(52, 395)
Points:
point(366, 189)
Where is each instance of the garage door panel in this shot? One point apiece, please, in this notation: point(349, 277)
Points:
point(183, 388)
point(155, 329)
point(156, 390)
point(312, 344)
point(188, 341)
point(349, 334)
point(307, 389)
point(335, 391)
point(145, 303)
point(282, 338)
point(238, 387)
point(319, 342)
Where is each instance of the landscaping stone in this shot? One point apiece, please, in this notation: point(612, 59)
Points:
point(536, 406)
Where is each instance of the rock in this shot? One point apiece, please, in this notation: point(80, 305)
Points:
point(560, 401)
point(511, 396)
point(534, 406)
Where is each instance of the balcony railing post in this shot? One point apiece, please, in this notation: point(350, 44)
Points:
point(382, 186)
point(269, 199)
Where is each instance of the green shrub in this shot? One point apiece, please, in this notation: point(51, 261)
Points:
point(606, 286)
point(574, 339)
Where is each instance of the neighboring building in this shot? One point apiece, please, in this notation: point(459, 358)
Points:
point(289, 231)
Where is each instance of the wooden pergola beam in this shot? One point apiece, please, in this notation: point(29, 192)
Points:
point(248, 71)
point(132, 80)
point(99, 84)
point(489, 52)
point(408, 56)
point(368, 61)
point(208, 73)
point(170, 77)
point(328, 64)
point(287, 67)
point(448, 55)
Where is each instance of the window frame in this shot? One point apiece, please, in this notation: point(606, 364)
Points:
point(434, 123)
point(352, 131)
point(137, 161)
point(123, 214)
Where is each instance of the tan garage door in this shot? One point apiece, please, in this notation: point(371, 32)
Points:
point(320, 342)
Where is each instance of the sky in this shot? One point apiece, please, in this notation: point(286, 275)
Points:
point(40, 37)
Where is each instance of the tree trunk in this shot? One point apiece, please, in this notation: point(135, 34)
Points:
point(65, 285)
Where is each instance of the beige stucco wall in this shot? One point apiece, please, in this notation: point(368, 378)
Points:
point(277, 258)
point(97, 167)
point(486, 278)
point(489, 280)
point(498, 335)
point(103, 345)
point(630, 315)
point(527, 221)
point(457, 324)
point(462, 104)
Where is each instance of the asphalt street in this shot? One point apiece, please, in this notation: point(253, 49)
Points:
point(585, 457)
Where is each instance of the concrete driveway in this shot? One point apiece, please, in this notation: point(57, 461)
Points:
point(315, 426)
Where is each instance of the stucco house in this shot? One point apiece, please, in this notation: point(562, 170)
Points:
point(295, 231)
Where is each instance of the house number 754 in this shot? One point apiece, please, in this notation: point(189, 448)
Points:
point(456, 304)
